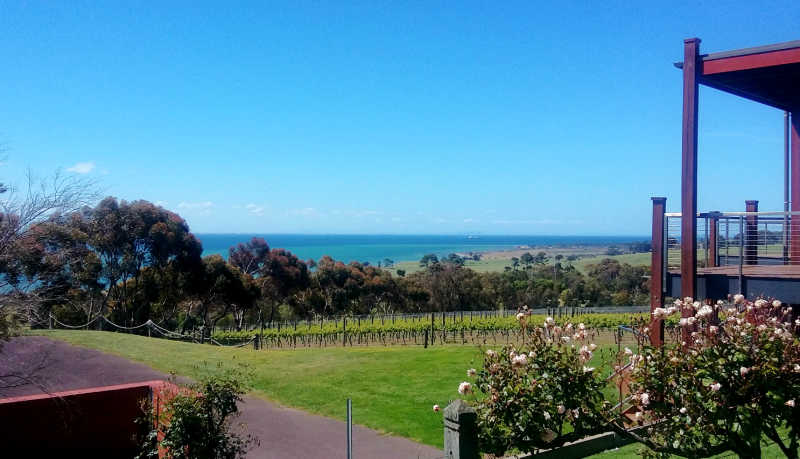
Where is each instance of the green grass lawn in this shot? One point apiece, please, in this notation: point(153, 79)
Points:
point(393, 388)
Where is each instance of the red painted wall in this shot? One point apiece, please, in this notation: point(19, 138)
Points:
point(98, 420)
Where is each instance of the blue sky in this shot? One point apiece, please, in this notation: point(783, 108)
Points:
point(387, 117)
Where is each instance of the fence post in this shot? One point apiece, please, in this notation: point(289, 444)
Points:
point(460, 431)
point(349, 429)
point(657, 270)
point(712, 239)
point(751, 234)
point(433, 327)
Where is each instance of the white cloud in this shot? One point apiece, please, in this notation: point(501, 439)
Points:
point(161, 203)
point(305, 212)
point(360, 213)
point(201, 208)
point(255, 209)
point(82, 168)
point(545, 221)
point(470, 220)
point(196, 205)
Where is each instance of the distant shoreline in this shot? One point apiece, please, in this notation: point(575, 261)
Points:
point(379, 248)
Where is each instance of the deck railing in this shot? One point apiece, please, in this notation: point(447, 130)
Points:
point(736, 238)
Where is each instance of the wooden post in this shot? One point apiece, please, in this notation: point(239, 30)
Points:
point(691, 51)
point(433, 327)
point(794, 237)
point(657, 270)
point(712, 239)
point(460, 431)
point(751, 234)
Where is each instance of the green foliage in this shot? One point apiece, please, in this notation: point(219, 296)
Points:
point(428, 260)
point(541, 395)
point(725, 383)
point(194, 423)
point(405, 325)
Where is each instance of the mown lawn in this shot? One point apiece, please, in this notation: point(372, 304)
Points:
point(393, 388)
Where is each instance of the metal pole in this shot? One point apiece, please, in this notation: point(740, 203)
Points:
point(785, 187)
point(706, 239)
point(349, 429)
point(727, 239)
point(741, 252)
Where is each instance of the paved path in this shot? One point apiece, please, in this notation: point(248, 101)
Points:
point(284, 433)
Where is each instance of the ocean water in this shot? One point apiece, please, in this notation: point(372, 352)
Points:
point(374, 248)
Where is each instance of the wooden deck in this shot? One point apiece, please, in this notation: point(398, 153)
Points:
point(761, 271)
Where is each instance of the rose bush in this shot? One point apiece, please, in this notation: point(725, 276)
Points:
point(729, 377)
point(539, 395)
point(726, 378)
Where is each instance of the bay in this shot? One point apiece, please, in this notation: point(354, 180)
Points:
point(377, 247)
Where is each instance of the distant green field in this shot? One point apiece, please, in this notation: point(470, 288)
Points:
point(634, 259)
point(500, 264)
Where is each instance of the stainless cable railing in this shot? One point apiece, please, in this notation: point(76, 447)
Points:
point(739, 238)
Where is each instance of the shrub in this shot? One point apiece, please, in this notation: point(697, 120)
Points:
point(731, 377)
point(541, 395)
point(194, 422)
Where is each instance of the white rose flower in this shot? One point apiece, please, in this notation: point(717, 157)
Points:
point(519, 360)
point(471, 372)
point(743, 371)
point(465, 388)
point(561, 409)
point(715, 387)
point(738, 298)
point(790, 403)
point(546, 416)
